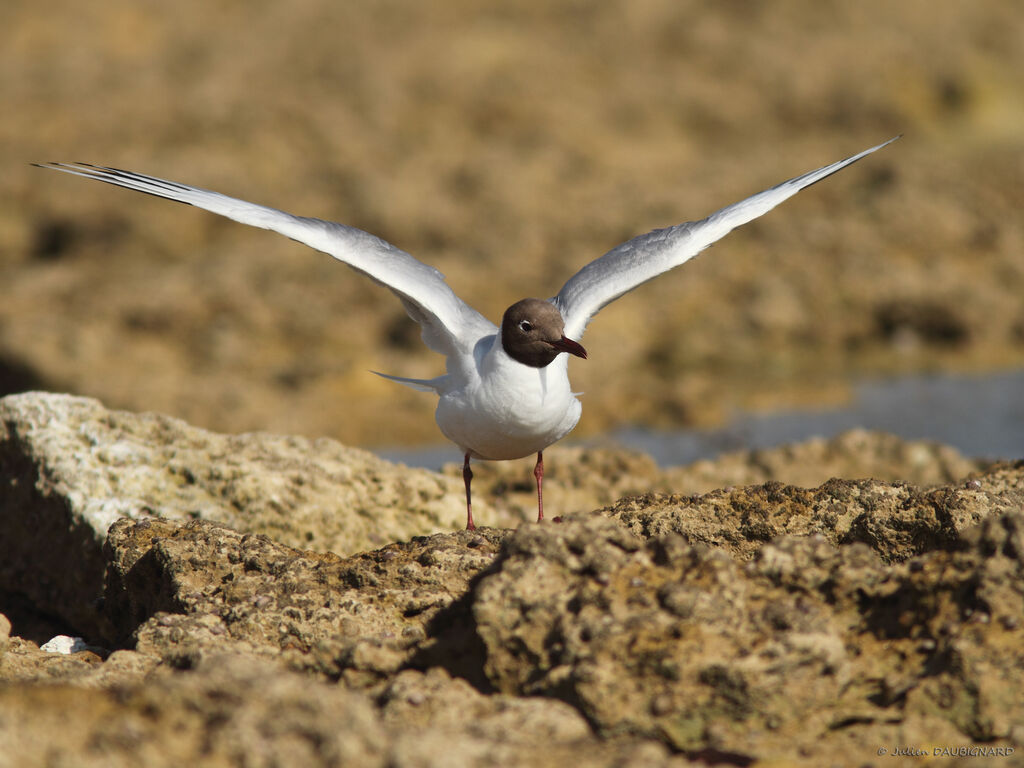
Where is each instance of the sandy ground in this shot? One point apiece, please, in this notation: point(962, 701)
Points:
point(507, 147)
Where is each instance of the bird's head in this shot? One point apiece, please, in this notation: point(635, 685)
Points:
point(532, 333)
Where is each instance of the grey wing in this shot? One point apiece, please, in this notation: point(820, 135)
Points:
point(645, 257)
point(450, 326)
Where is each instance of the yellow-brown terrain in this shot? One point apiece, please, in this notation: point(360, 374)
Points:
point(507, 145)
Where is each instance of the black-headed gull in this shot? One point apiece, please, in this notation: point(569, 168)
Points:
point(506, 393)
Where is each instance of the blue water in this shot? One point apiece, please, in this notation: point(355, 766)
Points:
point(981, 416)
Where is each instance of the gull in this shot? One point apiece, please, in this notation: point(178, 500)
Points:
point(505, 393)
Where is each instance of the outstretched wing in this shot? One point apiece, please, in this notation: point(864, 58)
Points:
point(450, 326)
point(645, 257)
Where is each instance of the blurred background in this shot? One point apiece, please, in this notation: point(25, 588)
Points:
point(508, 145)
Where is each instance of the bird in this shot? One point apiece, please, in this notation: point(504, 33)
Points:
point(505, 393)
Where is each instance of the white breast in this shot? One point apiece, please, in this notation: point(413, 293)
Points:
point(506, 410)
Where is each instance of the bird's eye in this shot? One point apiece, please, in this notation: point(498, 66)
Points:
point(525, 326)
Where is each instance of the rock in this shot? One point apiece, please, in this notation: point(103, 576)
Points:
point(70, 468)
point(805, 650)
point(24, 662)
point(436, 711)
point(1000, 477)
point(64, 644)
point(183, 590)
point(583, 479)
point(5, 633)
point(854, 454)
point(237, 710)
point(896, 520)
point(232, 711)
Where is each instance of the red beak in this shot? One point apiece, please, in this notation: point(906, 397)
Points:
point(570, 346)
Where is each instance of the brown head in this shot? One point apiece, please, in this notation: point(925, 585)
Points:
point(532, 333)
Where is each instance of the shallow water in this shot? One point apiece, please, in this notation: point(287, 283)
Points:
point(981, 416)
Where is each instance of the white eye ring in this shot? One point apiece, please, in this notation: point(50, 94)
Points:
point(525, 326)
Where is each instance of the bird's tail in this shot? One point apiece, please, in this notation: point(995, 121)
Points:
point(423, 385)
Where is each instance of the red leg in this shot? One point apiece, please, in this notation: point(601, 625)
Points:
point(467, 476)
point(538, 472)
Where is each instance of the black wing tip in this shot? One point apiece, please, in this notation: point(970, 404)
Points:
point(116, 176)
point(81, 165)
point(58, 166)
point(838, 166)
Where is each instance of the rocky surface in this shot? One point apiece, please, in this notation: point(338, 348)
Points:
point(580, 479)
point(237, 711)
point(807, 649)
point(184, 591)
point(72, 468)
point(277, 601)
point(897, 521)
point(764, 624)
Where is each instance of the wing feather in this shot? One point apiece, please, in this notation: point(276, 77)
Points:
point(636, 261)
point(449, 325)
